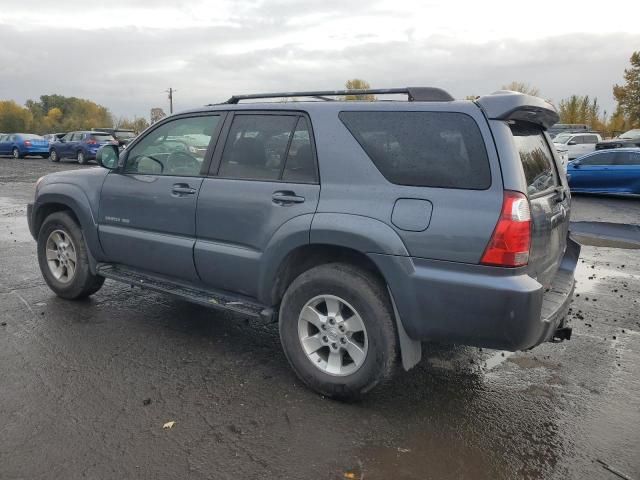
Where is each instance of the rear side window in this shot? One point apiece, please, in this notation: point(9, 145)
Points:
point(424, 149)
point(536, 157)
point(269, 147)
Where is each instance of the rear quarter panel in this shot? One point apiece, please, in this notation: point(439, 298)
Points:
point(462, 221)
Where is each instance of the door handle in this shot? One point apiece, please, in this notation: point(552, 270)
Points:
point(286, 197)
point(182, 189)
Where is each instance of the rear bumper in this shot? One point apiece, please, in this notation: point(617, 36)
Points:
point(477, 305)
point(35, 151)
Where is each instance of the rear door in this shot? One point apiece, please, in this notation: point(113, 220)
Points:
point(625, 172)
point(548, 199)
point(263, 176)
point(148, 206)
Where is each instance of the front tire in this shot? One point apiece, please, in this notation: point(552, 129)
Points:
point(63, 258)
point(53, 156)
point(337, 330)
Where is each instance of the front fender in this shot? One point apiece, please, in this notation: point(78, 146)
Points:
point(77, 201)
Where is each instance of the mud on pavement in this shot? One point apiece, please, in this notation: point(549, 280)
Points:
point(86, 387)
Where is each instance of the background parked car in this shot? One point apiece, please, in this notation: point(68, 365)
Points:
point(577, 144)
point(123, 136)
point(628, 139)
point(54, 137)
point(19, 145)
point(568, 128)
point(609, 171)
point(81, 146)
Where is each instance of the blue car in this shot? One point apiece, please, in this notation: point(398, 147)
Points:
point(19, 145)
point(81, 146)
point(606, 171)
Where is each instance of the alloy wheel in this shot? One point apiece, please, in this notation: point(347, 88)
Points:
point(61, 256)
point(333, 335)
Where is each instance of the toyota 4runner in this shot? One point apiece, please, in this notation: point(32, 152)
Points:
point(361, 227)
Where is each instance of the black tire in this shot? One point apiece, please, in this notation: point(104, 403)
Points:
point(83, 283)
point(16, 153)
point(82, 159)
point(370, 299)
point(53, 156)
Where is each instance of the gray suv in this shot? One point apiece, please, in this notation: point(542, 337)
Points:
point(362, 227)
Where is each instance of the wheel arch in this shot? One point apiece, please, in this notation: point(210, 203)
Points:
point(64, 197)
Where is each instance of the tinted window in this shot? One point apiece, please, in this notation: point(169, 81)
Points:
point(536, 157)
point(177, 147)
point(101, 137)
point(256, 146)
point(606, 158)
point(426, 149)
point(626, 158)
point(592, 139)
point(300, 166)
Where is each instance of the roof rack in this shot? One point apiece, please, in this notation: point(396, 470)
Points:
point(414, 94)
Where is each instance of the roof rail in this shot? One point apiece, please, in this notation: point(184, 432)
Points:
point(414, 94)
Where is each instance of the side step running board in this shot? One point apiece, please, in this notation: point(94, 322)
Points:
point(194, 294)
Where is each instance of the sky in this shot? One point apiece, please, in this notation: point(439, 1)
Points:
point(125, 54)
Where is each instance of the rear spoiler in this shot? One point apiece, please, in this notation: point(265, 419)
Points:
point(508, 105)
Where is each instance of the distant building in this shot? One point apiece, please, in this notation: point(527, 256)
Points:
point(157, 114)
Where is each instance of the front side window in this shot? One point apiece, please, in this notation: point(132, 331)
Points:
point(424, 149)
point(606, 158)
point(177, 147)
point(536, 157)
point(257, 146)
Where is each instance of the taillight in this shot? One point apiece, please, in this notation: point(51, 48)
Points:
point(91, 141)
point(27, 143)
point(511, 239)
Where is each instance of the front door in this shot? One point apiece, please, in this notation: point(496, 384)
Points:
point(267, 177)
point(148, 205)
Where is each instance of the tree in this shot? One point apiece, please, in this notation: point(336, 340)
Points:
point(14, 118)
point(628, 95)
point(138, 124)
point(580, 109)
point(358, 84)
point(522, 88)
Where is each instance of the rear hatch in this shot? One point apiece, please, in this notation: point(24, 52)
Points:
point(548, 198)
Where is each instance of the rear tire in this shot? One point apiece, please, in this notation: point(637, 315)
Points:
point(311, 333)
point(63, 258)
point(53, 156)
point(16, 153)
point(81, 158)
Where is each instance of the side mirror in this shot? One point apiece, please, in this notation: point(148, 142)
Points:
point(107, 156)
point(576, 163)
point(572, 142)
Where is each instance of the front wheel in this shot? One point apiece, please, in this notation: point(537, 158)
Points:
point(63, 258)
point(337, 330)
point(53, 156)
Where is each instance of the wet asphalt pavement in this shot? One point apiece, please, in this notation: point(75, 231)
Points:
point(85, 387)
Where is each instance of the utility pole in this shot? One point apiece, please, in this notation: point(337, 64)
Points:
point(171, 91)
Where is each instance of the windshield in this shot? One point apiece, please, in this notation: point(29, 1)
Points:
point(562, 138)
point(631, 134)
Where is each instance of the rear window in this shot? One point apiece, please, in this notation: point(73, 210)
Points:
point(31, 136)
point(101, 137)
point(536, 157)
point(424, 149)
